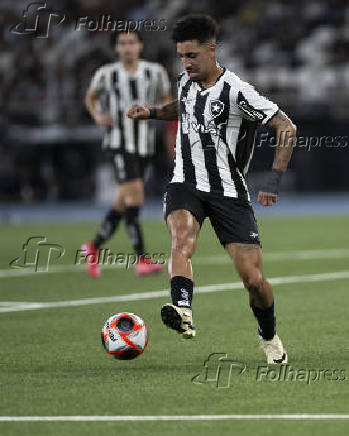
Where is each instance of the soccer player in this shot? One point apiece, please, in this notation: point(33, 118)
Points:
point(113, 88)
point(218, 115)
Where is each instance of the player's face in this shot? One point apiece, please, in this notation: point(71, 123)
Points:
point(128, 47)
point(197, 58)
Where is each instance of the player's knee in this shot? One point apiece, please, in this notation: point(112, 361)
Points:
point(253, 280)
point(133, 194)
point(134, 200)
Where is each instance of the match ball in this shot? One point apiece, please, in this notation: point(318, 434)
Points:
point(124, 336)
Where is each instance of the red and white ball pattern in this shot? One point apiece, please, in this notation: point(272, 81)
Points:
point(124, 336)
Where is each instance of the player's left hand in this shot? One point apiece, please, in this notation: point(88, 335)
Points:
point(267, 198)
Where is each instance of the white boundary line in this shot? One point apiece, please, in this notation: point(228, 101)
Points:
point(303, 416)
point(275, 256)
point(307, 278)
point(52, 269)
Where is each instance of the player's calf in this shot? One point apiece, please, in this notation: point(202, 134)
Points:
point(269, 341)
point(109, 226)
point(262, 305)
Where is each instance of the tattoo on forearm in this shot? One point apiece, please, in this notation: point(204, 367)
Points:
point(168, 112)
point(285, 136)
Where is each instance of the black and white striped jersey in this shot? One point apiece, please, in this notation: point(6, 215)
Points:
point(216, 133)
point(118, 90)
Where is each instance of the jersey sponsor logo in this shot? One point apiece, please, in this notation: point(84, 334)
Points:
point(210, 127)
point(216, 108)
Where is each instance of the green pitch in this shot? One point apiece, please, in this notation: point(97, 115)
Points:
point(52, 362)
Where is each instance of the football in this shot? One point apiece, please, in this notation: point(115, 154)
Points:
point(124, 336)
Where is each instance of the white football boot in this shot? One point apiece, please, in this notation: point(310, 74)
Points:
point(274, 350)
point(179, 319)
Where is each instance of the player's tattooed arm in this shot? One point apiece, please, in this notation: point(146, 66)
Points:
point(168, 112)
point(285, 137)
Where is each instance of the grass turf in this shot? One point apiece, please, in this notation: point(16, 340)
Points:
point(52, 363)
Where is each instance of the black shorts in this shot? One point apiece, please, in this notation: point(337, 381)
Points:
point(128, 166)
point(233, 219)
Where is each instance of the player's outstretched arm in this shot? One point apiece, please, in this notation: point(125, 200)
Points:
point(167, 112)
point(285, 137)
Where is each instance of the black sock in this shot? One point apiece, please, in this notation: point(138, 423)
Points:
point(134, 229)
point(181, 291)
point(109, 225)
point(266, 321)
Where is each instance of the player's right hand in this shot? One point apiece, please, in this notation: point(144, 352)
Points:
point(103, 119)
point(138, 112)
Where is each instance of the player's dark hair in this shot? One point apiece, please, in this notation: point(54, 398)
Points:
point(194, 26)
point(115, 35)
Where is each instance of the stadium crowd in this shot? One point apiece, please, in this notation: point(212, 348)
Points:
point(296, 52)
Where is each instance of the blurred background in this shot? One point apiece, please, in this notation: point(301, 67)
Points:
point(51, 164)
